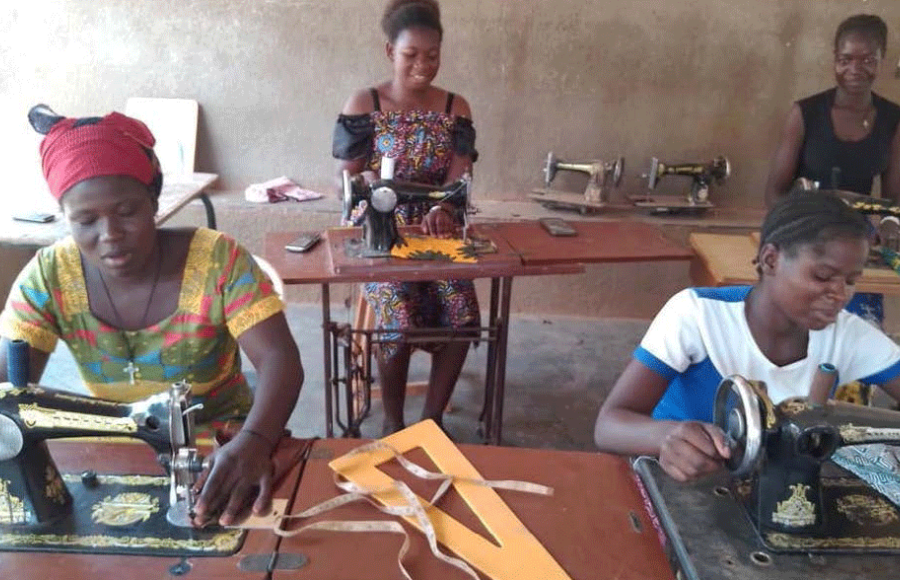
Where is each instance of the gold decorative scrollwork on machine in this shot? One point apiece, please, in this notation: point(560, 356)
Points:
point(34, 416)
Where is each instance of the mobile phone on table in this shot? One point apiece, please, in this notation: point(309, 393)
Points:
point(35, 217)
point(304, 242)
point(557, 227)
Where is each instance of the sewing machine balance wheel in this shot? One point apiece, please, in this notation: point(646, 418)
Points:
point(550, 168)
point(737, 412)
point(618, 171)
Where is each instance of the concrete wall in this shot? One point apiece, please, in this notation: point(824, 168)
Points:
point(677, 80)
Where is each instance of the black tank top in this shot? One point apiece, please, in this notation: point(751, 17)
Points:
point(848, 165)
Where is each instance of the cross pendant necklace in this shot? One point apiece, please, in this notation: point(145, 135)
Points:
point(131, 369)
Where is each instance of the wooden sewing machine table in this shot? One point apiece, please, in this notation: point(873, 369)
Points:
point(726, 259)
point(135, 457)
point(177, 191)
point(594, 525)
point(523, 249)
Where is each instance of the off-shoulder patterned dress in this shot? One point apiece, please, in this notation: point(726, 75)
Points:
point(422, 144)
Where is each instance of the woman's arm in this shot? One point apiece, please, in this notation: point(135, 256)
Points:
point(245, 462)
point(37, 360)
point(440, 223)
point(784, 162)
point(685, 449)
point(890, 179)
point(460, 164)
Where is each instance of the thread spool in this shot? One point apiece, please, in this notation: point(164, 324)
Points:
point(18, 363)
point(823, 383)
point(387, 167)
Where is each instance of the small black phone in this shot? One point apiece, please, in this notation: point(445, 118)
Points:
point(35, 217)
point(304, 242)
point(557, 227)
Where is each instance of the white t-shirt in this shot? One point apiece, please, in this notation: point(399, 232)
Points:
point(701, 335)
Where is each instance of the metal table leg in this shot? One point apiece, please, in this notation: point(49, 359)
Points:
point(210, 211)
point(326, 351)
point(490, 374)
point(502, 335)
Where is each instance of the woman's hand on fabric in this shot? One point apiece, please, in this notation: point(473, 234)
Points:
point(239, 477)
point(438, 223)
point(693, 449)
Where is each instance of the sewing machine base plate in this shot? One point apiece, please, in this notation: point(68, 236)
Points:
point(670, 205)
point(356, 248)
point(121, 514)
point(709, 536)
point(564, 200)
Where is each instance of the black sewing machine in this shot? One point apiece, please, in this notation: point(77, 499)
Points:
point(783, 510)
point(602, 175)
point(696, 200)
point(382, 196)
point(42, 509)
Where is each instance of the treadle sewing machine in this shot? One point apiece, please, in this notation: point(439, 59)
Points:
point(381, 197)
point(782, 501)
point(602, 175)
point(696, 200)
point(42, 509)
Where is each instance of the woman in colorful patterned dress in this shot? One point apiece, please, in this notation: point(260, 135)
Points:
point(428, 131)
point(141, 308)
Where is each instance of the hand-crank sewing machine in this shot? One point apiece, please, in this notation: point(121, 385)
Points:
point(42, 509)
point(697, 198)
point(602, 175)
point(782, 499)
point(382, 196)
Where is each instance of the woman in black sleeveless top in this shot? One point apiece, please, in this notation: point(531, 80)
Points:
point(846, 136)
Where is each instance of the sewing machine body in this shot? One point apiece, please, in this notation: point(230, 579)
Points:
point(382, 197)
point(781, 510)
point(782, 448)
point(33, 490)
point(602, 177)
point(696, 199)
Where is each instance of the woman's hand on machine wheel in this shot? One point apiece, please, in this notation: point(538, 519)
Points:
point(693, 449)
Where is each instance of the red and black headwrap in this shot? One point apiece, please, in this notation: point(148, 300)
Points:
point(78, 149)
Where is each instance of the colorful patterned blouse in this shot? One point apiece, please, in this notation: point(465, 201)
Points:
point(223, 293)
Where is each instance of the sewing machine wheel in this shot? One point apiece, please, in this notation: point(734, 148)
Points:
point(347, 200)
point(618, 170)
point(550, 168)
point(722, 168)
point(737, 412)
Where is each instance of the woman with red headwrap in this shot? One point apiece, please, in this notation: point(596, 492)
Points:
point(141, 307)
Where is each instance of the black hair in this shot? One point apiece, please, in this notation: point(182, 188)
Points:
point(868, 26)
point(810, 218)
point(400, 15)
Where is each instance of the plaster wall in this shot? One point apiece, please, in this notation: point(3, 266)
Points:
point(682, 81)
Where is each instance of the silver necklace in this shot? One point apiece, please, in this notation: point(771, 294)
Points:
point(131, 370)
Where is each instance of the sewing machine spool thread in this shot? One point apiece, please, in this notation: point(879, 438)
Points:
point(823, 383)
point(18, 363)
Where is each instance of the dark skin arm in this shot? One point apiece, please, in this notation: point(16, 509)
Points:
point(686, 450)
point(784, 162)
point(890, 179)
point(439, 223)
point(37, 362)
point(244, 463)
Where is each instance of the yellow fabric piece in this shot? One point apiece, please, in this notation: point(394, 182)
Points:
point(431, 248)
